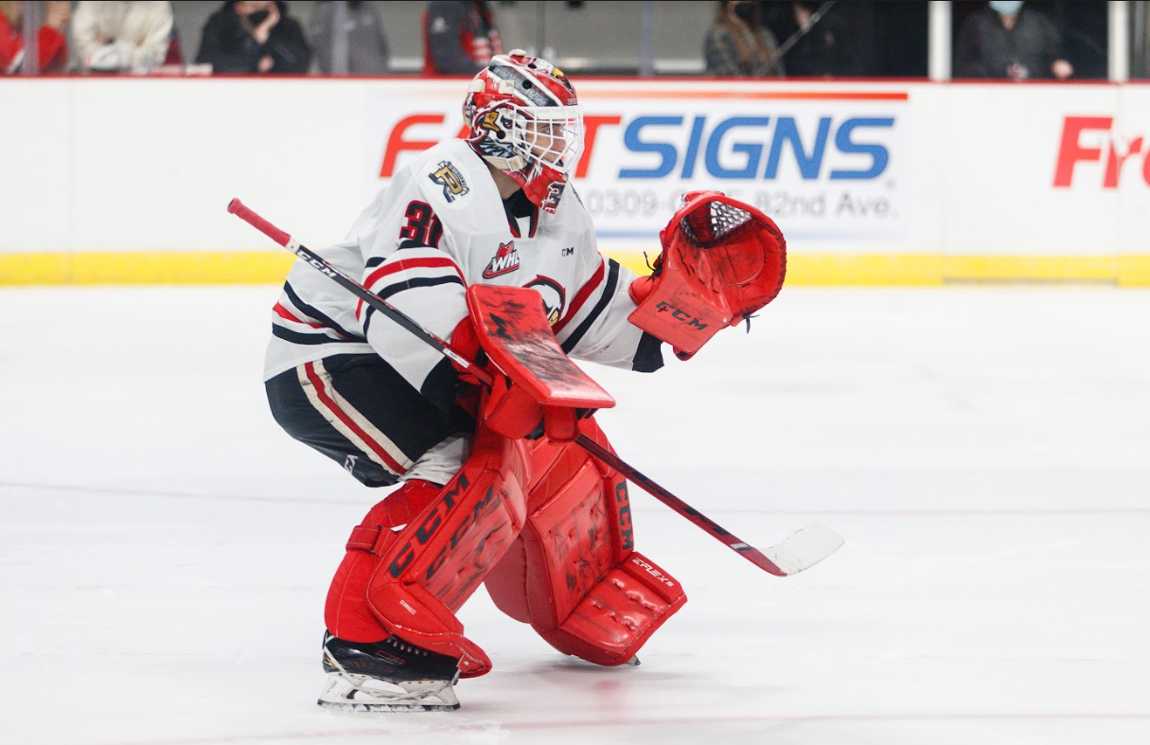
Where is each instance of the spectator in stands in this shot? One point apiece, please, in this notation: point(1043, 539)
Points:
point(738, 45)
point(51, 42)
point(828, 48)
point(254, 37)
point(1006, 40)
point(120, 36)
point(367, 52)
point(459, 38)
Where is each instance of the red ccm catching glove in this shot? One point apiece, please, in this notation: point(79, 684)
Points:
point(722, 261)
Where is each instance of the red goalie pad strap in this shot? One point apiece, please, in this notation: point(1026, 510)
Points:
point(397, 509)
point(364, 539)
point(722, 260)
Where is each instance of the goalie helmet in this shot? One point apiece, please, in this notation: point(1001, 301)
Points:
point(523, 118)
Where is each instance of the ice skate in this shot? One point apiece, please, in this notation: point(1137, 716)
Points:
point(390, 675)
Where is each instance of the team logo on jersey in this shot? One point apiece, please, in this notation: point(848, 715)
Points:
point(452, 181)
point(506, 260)
point(554, 299)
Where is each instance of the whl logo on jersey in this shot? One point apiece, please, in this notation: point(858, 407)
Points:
point(506, 261)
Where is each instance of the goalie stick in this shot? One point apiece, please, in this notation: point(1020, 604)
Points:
point(800, 551)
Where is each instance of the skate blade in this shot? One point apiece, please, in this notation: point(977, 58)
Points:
point(363, 706)
point(344, 692)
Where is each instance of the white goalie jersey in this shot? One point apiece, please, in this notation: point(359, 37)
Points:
point(437, 228)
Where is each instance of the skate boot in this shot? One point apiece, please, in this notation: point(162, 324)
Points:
point(390, 675)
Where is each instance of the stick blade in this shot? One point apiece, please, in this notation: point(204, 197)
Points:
point(804, 549)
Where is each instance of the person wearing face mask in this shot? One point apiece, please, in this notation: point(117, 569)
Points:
point(1009, 41)
point(738, 45)
point(254, 37)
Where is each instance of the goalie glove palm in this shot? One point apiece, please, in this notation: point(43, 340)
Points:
point(722, 261)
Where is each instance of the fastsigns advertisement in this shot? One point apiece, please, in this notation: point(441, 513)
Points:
point(872, 182)
point(825, 164)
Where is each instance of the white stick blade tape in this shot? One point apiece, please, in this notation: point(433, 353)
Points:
point(805, 548)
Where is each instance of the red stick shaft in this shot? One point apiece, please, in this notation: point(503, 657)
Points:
point(744, 549)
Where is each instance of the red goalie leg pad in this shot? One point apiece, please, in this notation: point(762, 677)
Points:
point(572, 574)
point(347, 613)
point(427, 570)
point(620, 613)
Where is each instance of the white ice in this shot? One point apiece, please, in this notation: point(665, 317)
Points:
point(165, 548)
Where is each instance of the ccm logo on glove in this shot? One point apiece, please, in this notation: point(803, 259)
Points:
point(678, 315)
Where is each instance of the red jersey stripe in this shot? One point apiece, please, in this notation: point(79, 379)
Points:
point(405, 264)
point(326, 399)
point(581, 296)
point(283, 312)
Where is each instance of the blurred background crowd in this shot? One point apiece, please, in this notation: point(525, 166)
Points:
point(999, 39)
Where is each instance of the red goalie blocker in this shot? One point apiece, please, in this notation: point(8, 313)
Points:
point(540, 381)
point(722, 260)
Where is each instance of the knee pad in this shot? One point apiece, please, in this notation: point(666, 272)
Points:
point(573, 574)
point(413, 561)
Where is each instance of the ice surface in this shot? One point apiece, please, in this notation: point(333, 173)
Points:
point(165, 548)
